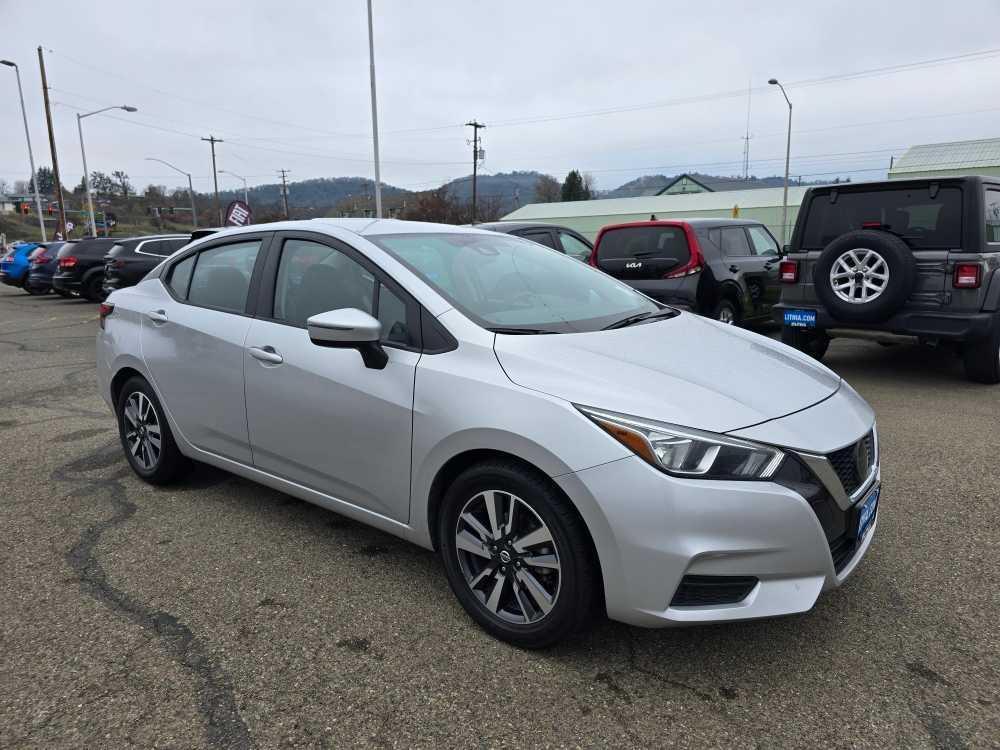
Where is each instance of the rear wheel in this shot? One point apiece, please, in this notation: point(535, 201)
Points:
point(517, 555)
point(727, 312)
point(982, 357)
point(145, 435)
point(92, 289)
point(35, 291)
point(813, 343)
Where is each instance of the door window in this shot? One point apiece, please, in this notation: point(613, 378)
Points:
point(761, 241)
point(314, 278)
point(733, 241)
point(180, 277)
point(394, 317)
point(993, 215)
point(542, 238)
point(574, 247)
point(221, 277)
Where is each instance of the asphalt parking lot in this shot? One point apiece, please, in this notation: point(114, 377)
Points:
point(218, 613)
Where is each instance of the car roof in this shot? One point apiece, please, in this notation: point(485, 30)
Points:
point(513, 226)
point(695, 222)
point(145, 237)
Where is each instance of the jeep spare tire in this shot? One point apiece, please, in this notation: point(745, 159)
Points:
point(864, 276)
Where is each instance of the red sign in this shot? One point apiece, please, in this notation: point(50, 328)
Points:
point(238, 214)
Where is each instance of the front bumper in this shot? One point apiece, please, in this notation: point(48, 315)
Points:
point(921, 323)
point(654, 530)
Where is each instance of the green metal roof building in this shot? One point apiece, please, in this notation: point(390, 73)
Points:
point(980, 157)
point(587, 217)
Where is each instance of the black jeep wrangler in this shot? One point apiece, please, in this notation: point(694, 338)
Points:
point(915, 258)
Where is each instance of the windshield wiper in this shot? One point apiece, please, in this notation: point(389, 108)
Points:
point(668, 312)
point(519, 331)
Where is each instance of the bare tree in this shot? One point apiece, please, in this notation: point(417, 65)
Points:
point(547, 189)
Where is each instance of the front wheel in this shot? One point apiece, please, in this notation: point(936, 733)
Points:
point(145, 435)
point(727, 312)
point(517, 555)
point(813, 343)
point(982, 357)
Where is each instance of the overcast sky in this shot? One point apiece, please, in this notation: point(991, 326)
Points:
point(285, 84)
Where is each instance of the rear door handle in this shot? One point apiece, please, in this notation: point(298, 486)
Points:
point(158, 316)
point(265, 354)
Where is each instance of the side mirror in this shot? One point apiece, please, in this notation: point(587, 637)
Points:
point(349, 328)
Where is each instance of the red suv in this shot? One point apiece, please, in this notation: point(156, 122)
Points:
point(726, 269)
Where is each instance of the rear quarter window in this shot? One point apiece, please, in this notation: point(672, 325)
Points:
point(993, 216)
point(644, 242)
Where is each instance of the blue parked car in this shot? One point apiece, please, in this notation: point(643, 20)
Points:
point(43, 264)
point(14, 265)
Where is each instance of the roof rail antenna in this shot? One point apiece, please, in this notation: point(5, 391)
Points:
point(652, 217)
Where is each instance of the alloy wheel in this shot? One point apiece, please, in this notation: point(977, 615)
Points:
point(142, 430)
point(725, 315)
point(508, 557)
point(859, 276)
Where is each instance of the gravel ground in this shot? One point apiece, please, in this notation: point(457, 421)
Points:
point(218, 613)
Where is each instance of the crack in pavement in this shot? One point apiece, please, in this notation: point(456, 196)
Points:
point(225, 727)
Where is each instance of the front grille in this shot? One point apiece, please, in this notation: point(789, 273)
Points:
point(853, 463)
point(701, 591)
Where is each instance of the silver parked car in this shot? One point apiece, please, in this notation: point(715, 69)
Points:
point(562, 440)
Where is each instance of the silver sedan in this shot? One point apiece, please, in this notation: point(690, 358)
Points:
point(561, 439)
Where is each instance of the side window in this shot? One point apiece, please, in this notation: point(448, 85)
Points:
point(542, 238)
point(993, 215)
point(392, 314)
point(762, 241)
point(734, 242)
point(155, 247)
point(573, 247)
point(180, 277)
point(172, 246)
point(221, 277)
point(315, 278)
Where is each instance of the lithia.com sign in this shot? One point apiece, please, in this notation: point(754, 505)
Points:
point(238, 214)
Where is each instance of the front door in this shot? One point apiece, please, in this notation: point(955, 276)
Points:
point(319, 417)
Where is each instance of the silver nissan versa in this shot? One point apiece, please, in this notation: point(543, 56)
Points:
point(563, 441)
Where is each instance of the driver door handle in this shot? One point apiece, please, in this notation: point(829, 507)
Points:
point(157, 316)
point(265, 354)
point(734, 268)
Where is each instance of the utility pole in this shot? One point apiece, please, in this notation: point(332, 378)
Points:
point(284, 189)
point(215, 176)
point(52, 146)
point(27, 137)
point(746, 138)
point(475, 161)
point(371, 60)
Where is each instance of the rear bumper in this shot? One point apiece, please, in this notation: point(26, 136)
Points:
point(12, 279)
point(66, 283)
point(922, 323)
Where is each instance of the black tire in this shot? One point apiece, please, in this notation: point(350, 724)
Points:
point(34, 291)
point(813, 343)
point(63, 293)
point(902, 269)
point(578, 577)
point(727, 311)
point(93, 289)
point(982, 357)
point(169, 461)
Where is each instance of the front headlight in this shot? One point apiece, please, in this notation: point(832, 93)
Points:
point(684, 452)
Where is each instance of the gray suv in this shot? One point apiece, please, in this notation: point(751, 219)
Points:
point(912, 258)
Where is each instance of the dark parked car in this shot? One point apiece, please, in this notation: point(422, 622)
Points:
point(916, 258)
point(563, 239)
point(129, 260)
point(43, 265)
point(726, 269)
point(81, 267)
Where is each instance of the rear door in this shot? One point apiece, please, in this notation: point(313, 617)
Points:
point(541, 236)
point(192, 341)
point(760, 268)
point(319, 417)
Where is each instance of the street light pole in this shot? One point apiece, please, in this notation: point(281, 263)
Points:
point(246, 197)
point(194, 211)
point(27, 137)
point(788, 155)
point(83, 153)
point(371, 59)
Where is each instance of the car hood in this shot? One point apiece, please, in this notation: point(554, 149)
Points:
point(686, 370)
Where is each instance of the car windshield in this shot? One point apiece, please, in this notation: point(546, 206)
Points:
point(501, 281)
point(922, 217)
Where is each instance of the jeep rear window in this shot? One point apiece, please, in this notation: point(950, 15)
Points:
point(645, 242)
point(911, 213)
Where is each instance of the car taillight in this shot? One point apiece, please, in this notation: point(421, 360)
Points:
point(68, 262)
point(40, 259)
point(967, 276)
point(788, 271)
point(696, 261)
point(688, 270)
point(105, 310)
